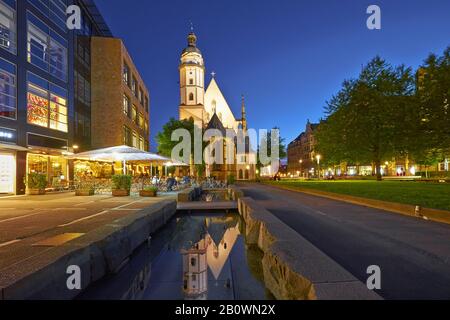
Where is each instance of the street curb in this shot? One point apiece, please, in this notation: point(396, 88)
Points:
point(97, 253)
point(293, 268)
point(436, 215)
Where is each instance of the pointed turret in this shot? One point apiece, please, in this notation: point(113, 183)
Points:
point(244, 115)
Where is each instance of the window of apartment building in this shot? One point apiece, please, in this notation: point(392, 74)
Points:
point(83, 52)
point(47, 104)
point(134, 86)
point(134, 114)
point(8, 92)
point(55, 10)
point(141, 120)
point(82, 125)
point(127, 138)
point(8, 26)
point(46, 49)
point(135, 140)
point(146, 105)
point(141, 96)
point(126, 105)
point(126, 74)
point(82, 89)
point(141, 144)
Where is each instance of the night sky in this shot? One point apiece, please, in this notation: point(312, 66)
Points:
point(287, 56)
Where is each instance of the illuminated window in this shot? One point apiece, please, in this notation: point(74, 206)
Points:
point(126, 74)
point(134, 114)
point(135, 140)
point(126, 105)
point(7, 28)
point(141, 143)
point(8, 92)
point(127, 137)
point(141, 120)
point(134, 86)
point(46, 107)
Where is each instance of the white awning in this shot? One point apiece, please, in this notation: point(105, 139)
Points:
point(120, 153)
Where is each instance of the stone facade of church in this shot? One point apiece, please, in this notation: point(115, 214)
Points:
point(209, 110)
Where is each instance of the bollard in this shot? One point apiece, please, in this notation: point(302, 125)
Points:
point(417, 211)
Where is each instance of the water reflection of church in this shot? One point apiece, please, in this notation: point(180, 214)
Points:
point(211, 251)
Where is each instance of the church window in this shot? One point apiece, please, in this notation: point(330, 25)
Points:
point(191, 97)
point(191, 81)
point(193, 262)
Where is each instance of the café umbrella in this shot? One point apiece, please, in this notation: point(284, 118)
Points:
point(120, 153)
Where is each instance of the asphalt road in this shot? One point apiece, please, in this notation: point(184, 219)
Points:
point(413, 254)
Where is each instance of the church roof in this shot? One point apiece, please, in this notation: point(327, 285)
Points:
point(215, 123)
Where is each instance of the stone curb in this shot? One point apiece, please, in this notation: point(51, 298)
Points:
point(436, 215)
point(293, 268)
point(98, 253)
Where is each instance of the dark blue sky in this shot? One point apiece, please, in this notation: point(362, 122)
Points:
point(287, 56)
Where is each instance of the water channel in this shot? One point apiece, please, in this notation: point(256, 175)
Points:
point(194, 257)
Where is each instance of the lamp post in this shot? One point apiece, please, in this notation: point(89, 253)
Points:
point(301, 165)
point(318, 157)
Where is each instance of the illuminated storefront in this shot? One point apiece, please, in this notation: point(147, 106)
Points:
point(8, 138)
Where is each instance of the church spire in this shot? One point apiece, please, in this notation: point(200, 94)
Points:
point(244, 115)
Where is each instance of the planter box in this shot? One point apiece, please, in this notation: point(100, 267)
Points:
point(147, 193)
point(84, 193)
point(120, 193)
point(36, 192)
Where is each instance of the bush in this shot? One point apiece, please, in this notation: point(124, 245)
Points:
point(121, 182)
point(36, 181)
point(151, 188)
point(231, 179)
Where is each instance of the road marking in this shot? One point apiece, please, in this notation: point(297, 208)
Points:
point(83, 219)
point(21, 217)
point(83, 203)
point(8, 243)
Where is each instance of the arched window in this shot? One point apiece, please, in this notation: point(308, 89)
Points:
point(240, 174)
point(191, 96)
point(246, 174)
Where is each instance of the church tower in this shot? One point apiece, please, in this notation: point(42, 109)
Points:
point(192, 81)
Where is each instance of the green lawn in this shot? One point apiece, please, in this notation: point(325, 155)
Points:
point(427, 195)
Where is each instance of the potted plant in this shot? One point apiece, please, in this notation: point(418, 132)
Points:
point(149, 191)
point(121, 185)
point(36, 183)
point(85, 188)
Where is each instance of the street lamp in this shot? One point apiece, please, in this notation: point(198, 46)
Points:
point(318, 157)
point(301, 165)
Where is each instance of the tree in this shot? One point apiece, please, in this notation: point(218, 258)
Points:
point(433, 96)
point(367, 114)
point(166, 145)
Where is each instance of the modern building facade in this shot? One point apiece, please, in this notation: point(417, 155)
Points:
point(120, 99)
point(36, 100)
point(46, 85)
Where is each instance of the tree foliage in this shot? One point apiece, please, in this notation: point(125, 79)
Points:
point(367, 117)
